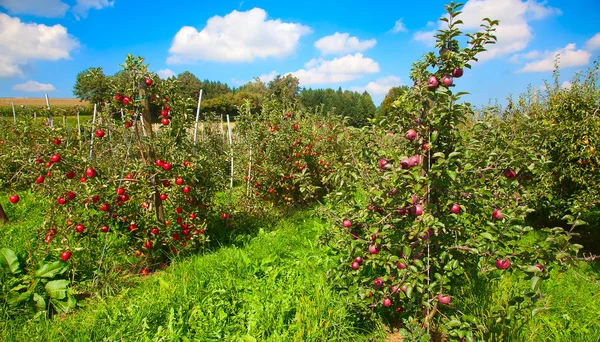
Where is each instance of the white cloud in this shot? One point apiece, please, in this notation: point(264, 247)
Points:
point(338, 70)
point(236, 37)
point(381, 86)
point(513, 32)
point(399, 26)
point(82, 7)
point(569, 57)
point(593, 43)
point(165, 73)
point(566, 85)
point(342, 43)
point(34, 86)
point(23, 43)
point(266, 78)
point(426, 37)
point(39, 8)
point(516, 58)
point(538, 10)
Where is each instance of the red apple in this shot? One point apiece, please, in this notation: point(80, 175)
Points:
point(14, 199)
point(447, 81)
point(65, 256)
point(387, 302)
point(154, 231)
point(100, 133)
point(104, 229)
point(433, 82)
point(70, 175)
point(457, 73)
point(79, 228)
point(167, 166)
point(90, 172)
point(401, 265)
point(179, 181)
point(378, 283)
point(126, 100)
point(455, 209)
point(187, 189)
point(355, 265)
point(373, 249)
point(417, 210)
point(120, 191)
point(148, 82)
point(497, 214)
point(55, 158)
point(444, 299)
point(71, 195)
point(163, 197)
point(411, 134)
point(148, 244)
point(61, 200)
point(358, 259)
point(40, 180)
point(165, 121)
point(502, 264)
point(347, 223)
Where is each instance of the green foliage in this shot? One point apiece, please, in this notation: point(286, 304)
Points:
point(92, 85)
point(358, 108)
point(273, 289)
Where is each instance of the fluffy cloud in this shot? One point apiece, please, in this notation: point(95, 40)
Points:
point(338, 70)
point(82, 7)
point(513, 32)
point(566, 85)
point(342, 43)
point(399, 26)
point(40, 8)
point(569, 57)
point(236, 37)
point(24, 43)
point(266, 78)
point(425, 37)
point(165, 73)
point(593, 43)
point(381, 86)
point(53, 8)
point(33, 86)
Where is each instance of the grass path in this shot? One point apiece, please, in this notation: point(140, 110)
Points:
point(272, 289)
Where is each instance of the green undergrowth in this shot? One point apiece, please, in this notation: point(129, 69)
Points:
point(274, 288)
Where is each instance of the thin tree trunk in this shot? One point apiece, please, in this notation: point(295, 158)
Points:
point(147, 122)
point(3, 217)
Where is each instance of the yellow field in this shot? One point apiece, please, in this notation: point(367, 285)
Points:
point(37, 102)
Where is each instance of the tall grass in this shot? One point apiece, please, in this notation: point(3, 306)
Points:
point(272, 289)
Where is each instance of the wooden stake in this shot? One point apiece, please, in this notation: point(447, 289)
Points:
point(14, 113)
point(93, 128)
point(231, 174)
point(50, 119)
point(196, 127)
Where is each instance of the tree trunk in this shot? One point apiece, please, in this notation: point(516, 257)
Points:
point(145, 100)
point(3, 217)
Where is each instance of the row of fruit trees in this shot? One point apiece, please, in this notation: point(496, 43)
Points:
point(417, 202)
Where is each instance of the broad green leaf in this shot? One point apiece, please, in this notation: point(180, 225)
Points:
point(9, 261)
point(51, 269)
point(57, 289)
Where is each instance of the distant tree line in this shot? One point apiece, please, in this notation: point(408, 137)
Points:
point(217, 97)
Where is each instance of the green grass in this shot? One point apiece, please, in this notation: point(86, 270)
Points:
point(272, 289)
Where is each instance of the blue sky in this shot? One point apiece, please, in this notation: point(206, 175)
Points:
point(350, 44)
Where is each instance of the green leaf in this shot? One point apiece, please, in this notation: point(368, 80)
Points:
point(57, 289)
point(535, 283)
point(488, 236)
point(452, 174)
point(51, 269)
point(9, 260)
point(40, 303)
